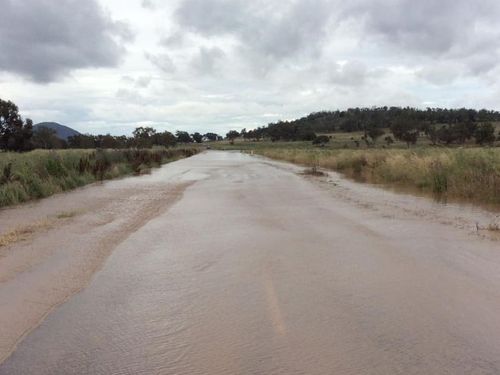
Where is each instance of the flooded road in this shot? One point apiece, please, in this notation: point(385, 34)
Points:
point(254, 269)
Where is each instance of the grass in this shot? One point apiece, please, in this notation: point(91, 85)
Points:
point(313, 171)
point(494, 227)
point(68, 214)
point(465, 174)
point(41, 173)
point(25, 232)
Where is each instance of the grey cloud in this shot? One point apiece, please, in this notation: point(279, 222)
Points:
point(274, 30)
point(176, 39)
point(455, 30)
point(148, 4)
point(129, 95)
point(214, 16)
point(45, 40)
point(206, 62)
point(440, 73)
point(162, 61)
point(140, 82)
point(143, 81)
point(352, 73)
point(128, 79)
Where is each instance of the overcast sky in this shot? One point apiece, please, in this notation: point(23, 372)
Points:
point(213, 65)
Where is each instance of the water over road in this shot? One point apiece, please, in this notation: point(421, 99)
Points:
point(255, 269)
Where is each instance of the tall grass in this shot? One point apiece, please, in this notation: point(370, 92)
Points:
point(41, 173)
point(471, 175)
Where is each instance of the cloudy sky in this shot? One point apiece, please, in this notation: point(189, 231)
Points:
point(213, 65)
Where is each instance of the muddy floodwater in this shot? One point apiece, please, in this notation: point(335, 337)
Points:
point(225, 263)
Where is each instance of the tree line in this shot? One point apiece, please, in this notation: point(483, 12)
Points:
point(439, 126)
point(443, 126)
point(142, 137)
point(17, 134)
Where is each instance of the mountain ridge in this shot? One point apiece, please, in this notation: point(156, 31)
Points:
point(62, 131)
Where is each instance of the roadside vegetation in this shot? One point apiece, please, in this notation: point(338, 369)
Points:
point(451, 154)
point(41, 173)
point(465, 174)
point(37, 164)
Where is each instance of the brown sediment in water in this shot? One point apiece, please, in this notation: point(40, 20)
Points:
point(50, 249)
point(257, 269)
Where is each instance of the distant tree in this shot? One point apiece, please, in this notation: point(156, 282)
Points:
point(445, 135)
point(197, 137)
point(485, 134)
point(388, 140)
point(232, 135)
point(84, 141)
point(255, 134)
point(212, 136)
point(144, 132)
point(321, 140)
point(183, 137)
point(374, 132)
point(405, 130)
point(144, 136)
point(46, 138)
point(464, 131)
point(108, 141)
point(15, 134)
point(409, 123)
point(165, 139)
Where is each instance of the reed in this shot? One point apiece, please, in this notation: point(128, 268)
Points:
point(41, 173)
point(469, 174)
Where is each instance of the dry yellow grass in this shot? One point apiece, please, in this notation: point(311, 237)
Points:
point(68, 214)
point(25, 232)
point(470, 175)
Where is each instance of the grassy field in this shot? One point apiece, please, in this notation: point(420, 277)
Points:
point(41, 173)
point(463, 174)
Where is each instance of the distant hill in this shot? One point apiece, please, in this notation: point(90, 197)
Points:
point(62, 131)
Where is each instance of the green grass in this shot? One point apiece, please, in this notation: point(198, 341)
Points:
point(41, 173)
point(465, 174)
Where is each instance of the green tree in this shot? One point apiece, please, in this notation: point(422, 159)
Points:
point(84, 141)
point(232, 135)
point(212, 136)
point(321, 140)
point(485, 134)
point(405, 130)
point(388, 140)
point(197, 137)
point(183, 137)
point(46, 138)
point(15, 134)
point(144, 136)
point(165, 138)
point(374, 132)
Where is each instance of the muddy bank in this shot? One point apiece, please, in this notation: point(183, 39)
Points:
point(399, 203)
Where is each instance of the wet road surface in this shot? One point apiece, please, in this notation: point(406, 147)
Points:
point(258, 270)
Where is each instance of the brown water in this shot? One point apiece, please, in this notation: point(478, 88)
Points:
point(257, 270)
